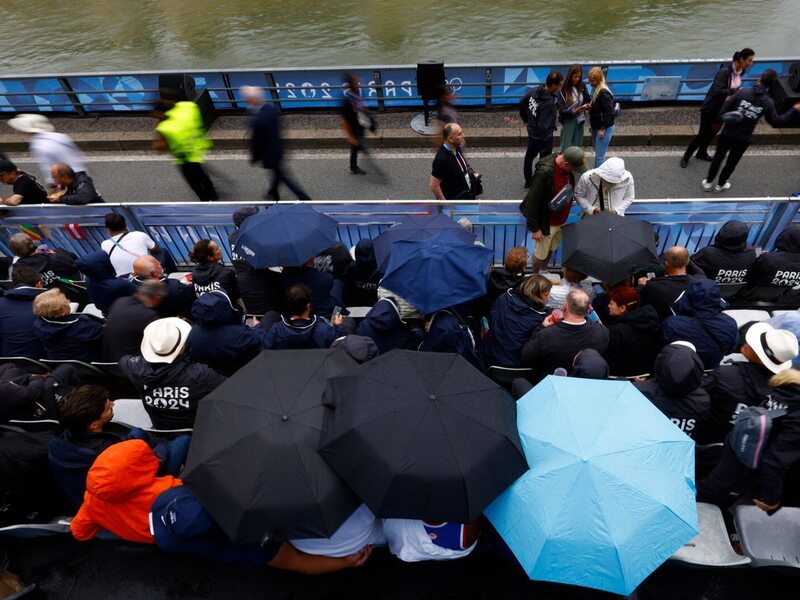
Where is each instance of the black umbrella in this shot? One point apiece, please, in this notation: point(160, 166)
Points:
point(253, 460)
point(421, 435)
point(608, 246)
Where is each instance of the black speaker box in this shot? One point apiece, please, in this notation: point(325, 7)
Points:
point(183, 84)
point(785, 97)
point(430, 79)
point(794, 76)
point(207, 109)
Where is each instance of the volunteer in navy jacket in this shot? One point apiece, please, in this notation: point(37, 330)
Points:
point(320, 284)
point(387, 328)
point(781, 267)
point(730, 258)
point(65, 336)
point(101, 280)
point(210, 274)
point(448, 332)
point(16, 315)
point(299, 328)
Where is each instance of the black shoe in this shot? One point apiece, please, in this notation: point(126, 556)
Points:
point(684, 162)
point(526, 186)
point(357, 171)
point(705, 157)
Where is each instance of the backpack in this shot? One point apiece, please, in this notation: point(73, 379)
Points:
point(750, 433)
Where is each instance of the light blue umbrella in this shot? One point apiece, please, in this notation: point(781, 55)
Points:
point(610, 494)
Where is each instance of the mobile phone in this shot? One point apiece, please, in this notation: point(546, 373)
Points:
point(337, 310)
point(651, 275)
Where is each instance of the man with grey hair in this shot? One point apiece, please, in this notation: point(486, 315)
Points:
point(50, 263)
point(179, 298)
point(127, 318)
point(557, 341)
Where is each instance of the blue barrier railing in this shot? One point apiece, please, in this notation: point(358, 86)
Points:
point(497, 224)
point(388, 87)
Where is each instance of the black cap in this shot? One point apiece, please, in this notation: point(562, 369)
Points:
point(6, 166)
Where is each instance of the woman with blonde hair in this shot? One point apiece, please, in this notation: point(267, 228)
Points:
point(65, 336)
point(601, 115)
point(572, 103)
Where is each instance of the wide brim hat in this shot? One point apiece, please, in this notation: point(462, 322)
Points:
point(31, 123)
point(164, 339)
point(775, 348)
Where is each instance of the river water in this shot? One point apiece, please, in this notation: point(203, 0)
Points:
point(48, 36)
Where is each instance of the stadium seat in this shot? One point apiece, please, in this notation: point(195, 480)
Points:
point(85, 370)
point(34, 425)
point(131, 412)
point(743, 316)
point(33, 530)
point(505, 375)
point(26, 364)
point(358, 312)
point(775, 313)
point(91, 309)
point(73, 308)
point(769, 540)
point(110, 369)
point(711, 547)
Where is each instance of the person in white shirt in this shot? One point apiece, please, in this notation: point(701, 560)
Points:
point(47, 146)
point(125, 246)
point(608, 187)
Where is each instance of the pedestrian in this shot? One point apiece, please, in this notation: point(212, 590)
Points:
point(602, 115)
point(729, 259)
point(537, 109)
point(607, 187)
point(572, 103)
point(181, 132)
point(355, 120)
point(25, 188)
point(123, 246)
point(543, 220)
point(75, 188)
point(727, 80)
point(749, 105)
point(266, 143)
point(210, 274)
point(451, 176)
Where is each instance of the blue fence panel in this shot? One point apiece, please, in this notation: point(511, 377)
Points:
point(33, 95)
point(238, 79)
point(215, 84)
point(468, 84)
point(116, 93)
point(400, 87)
point(319, 89)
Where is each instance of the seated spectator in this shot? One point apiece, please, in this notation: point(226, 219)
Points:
point(413, 540)
point(26, 189)
point(661, 292)
point(362, 277)
point(123, 246)
point(169, 384)
point(675, 388)
point(120, 489)
point(320, 284)
point(588, 364)
point(515, 316)
point(128, 318)
point(391, 323)
point(210, 274)
point(616, 184)
point(300, 328)
point(570, 279)
point(85, 416)
point(16, 315)
point(101, 280)
point(33, 397)
point(334, 260)
point(733, 387)
point(730, 258)
point(76, 188)
point(446, 331)
point(699, 319)
point(634, 338)
point(179, 299)
point(50, 263)
point(358, 347)
point(219, 337)
point(781, 267)
point(65, 336)
point(790, 321)
point(556, 341)
point(509, 276)
point(356, 535)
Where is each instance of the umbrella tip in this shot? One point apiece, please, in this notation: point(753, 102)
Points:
point(432, 396)
point(285, 418)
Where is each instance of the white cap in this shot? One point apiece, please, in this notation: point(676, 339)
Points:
point(31, 123)
point(164, 339)
point(776, 348)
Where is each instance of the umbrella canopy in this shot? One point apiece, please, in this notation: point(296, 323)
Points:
point(608, 246)
point(416, 228)
point(253, 460)
point(285, 235)
point(421, 435)
point(610, 494)
point(437, 272)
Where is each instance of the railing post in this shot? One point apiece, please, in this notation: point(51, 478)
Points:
point(376, 75)
point(276, 98)
point(488, 87)
point(780, 217)
point(73, 97)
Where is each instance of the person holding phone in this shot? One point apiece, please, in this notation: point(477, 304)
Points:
point(572, 102)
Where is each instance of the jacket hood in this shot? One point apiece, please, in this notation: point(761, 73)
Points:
point(502, 279)
point(214, 309)
point(678, 370)
point(384, 316)
point(644, 319)
point(241, 214)
point(24, 293)
point(365, 256)
point(300, 331)
point(206, 272)
point(359, 347)
point(121, 470)
point(789, 239)
point(732, 236)
point(589, 364)
point(700, 300)
point(96, 265)
point(521, 305)
point(613, 170)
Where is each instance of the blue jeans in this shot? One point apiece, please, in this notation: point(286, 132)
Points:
point(536, 147)
point(601, 145)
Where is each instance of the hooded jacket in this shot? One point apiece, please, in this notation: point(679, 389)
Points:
point(634, 340)
point(753, 103)
point(500, 281)
point(120, 490)
point(81, 191)
point(320, 284)
point(538, 111)
point(299, 334)
point(781, 267)
point(51, 265)
point(729, 259)
point(698, 318)
point(514, 319)
point(610, 175)
point(16, 323)
point(675, 388)
point(219, 338)
point(589, 364)
point(384, 325)
point(179, 299)
point(73, 337)
point(362, 277)
point(212, 276)
point(101, 280)
point(448, 333)
point(170, 391)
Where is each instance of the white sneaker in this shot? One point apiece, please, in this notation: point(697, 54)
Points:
point(722, 188)
point(707, 185)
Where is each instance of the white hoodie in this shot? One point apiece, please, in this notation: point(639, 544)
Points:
point(614, 178)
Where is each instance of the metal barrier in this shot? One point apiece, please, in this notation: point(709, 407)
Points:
point(497, 224)
point(392, 86)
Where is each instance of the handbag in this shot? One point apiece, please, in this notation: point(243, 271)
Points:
point(562, 199)
point(475, 184)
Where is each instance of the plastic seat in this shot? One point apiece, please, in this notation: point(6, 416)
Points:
point(110, 369)
point(131, 412)
point(358, 312)
point(505, 375)
point(28, 365)
point(73, 307)
point(85, 370)
point(769, 540)
point(91, 309)
point(743, 316)
point(711, 547)
point(775, 313)
point(33, 530)
point(34, 425)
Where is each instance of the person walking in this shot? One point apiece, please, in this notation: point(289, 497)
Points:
point(602, 117)
point(537, 109)
point(572, 103)
point(727, 80)
point(451, 176)
point(734, 139)
point(355, 120)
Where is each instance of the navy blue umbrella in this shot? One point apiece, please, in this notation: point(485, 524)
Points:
point(438, 272)
point(285, 235)
point(414, 228)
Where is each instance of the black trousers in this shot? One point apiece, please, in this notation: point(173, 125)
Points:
point(279, 176)
point(198, 180)
point(729, 479)
point(709, 126)
point(733, 149)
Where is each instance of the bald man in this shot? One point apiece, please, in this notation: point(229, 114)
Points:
point(179, 299)
point(661, 292)
point(76, 188)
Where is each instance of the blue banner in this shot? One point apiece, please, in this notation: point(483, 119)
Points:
point(33, 95)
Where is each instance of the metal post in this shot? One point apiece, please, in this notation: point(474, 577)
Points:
point(376, 75)
point(276, 99)
point(73, 97)
point(488, 87)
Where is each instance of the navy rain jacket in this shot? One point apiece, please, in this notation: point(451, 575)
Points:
point(387, 330)
point(16, 323)
point(101, 280)
point(514, 318)
point(299, 334)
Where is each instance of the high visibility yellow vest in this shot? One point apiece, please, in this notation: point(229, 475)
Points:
point(183, 130)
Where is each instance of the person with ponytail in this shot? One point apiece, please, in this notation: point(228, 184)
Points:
point(601, 115)
point(727, 80)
